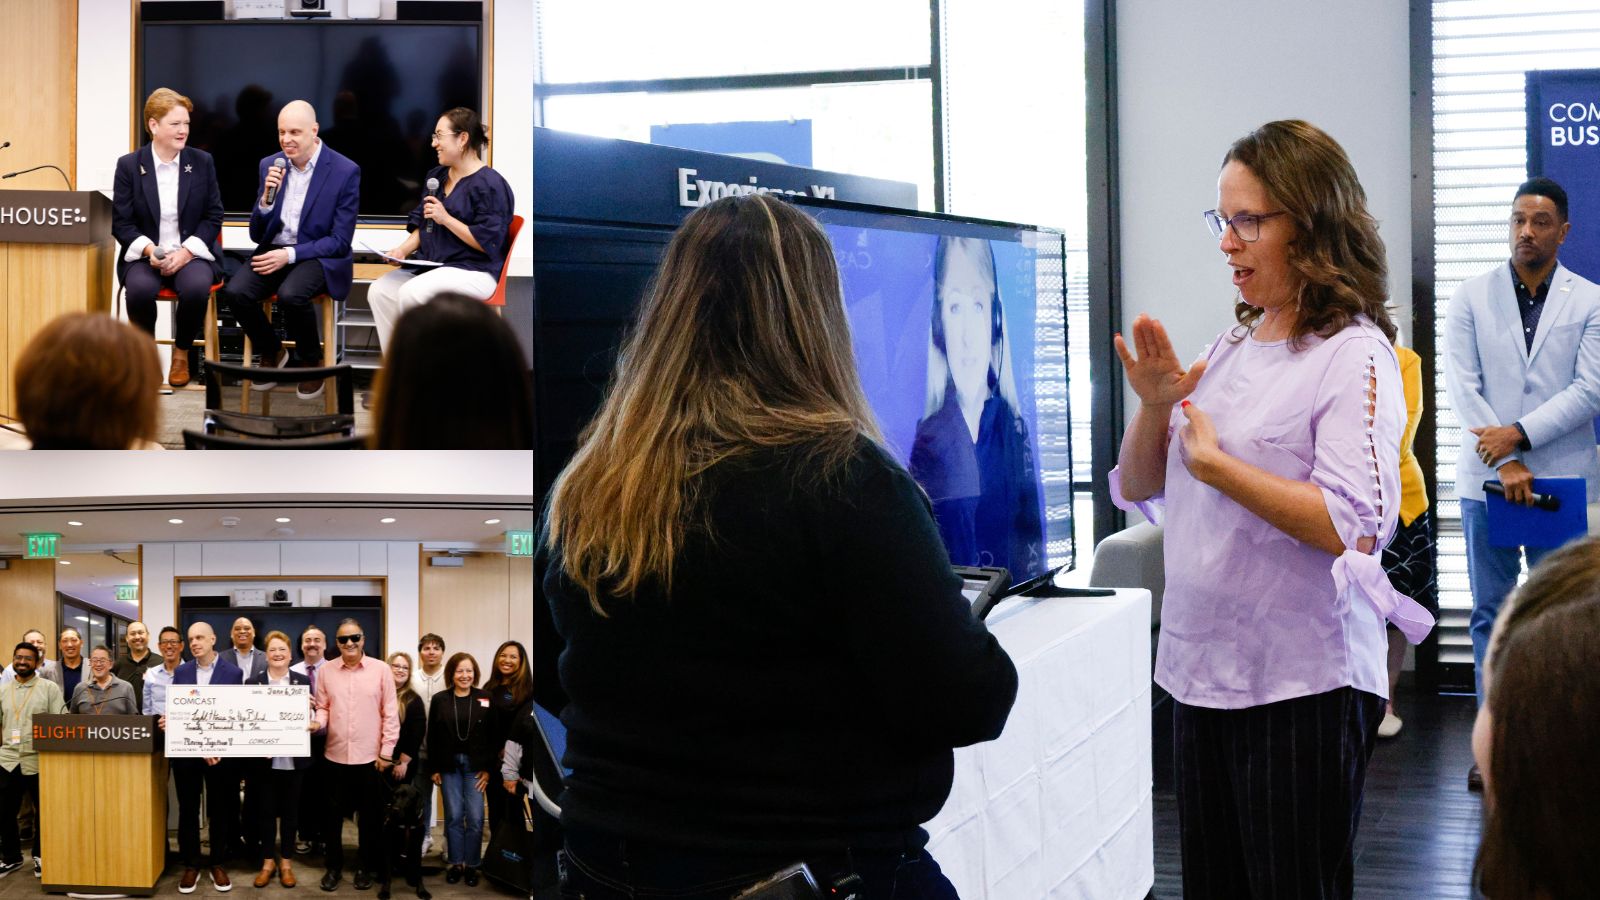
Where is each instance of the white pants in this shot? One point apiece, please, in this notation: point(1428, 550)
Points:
point(403, 289)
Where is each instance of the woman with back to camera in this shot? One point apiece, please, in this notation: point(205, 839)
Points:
point(971, 452)
point(487, 406)
point(463, 224)
point(88, 382)
point(1537, 734)
point(766, 651)
point(166, 214)
point(1279, 484)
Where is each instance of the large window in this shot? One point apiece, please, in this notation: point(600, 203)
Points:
point(1480, 52)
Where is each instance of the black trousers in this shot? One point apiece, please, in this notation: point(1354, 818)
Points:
point(221, 784)
point(274, 796)
point(193, 286)
point(295, 286)
point(13, 786)
point(355, 787)
point(1269, 796)
point(405, 838)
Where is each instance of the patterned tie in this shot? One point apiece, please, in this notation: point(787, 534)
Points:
point(311, 675)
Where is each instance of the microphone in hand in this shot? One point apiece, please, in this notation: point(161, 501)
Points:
point(433, 189)
point(271, 196)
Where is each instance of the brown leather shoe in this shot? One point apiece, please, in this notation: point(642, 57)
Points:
point(286, 874)
point(264, 877)
point(219, 879)
point(178, 375)
point(190, 878)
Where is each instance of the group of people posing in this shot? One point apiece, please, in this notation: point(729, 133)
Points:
point(167, 219)
point(383, 736)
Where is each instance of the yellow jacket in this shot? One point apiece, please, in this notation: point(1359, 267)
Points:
point(1413, 496)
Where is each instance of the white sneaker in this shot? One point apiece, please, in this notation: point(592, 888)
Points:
point(38, 869)
point(427, 844)
point(282, 362)
point(1390, 725)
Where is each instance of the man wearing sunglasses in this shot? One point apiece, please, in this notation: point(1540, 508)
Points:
point(355, 703)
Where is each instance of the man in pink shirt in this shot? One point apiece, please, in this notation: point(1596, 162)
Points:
point(355, 702)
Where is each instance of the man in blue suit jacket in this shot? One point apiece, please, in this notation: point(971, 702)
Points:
point(1523, 372)
point(302, 243)
point(219, 777)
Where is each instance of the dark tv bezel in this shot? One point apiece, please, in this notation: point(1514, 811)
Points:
point(1048, 576)
point(140, 92)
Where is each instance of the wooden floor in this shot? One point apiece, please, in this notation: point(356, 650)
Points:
point(1419, 825)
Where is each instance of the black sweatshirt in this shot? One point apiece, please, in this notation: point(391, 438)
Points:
point(802, 687)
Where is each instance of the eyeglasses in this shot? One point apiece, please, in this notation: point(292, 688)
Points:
point(440, 135)
point(1246, 225)
point(349, 638)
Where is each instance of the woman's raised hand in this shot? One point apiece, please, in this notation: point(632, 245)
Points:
point(1156, 375)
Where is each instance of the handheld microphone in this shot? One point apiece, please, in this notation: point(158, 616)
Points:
point(433, 188)
point(37, 168)
point(272, 190)
point(1549, 502)
point(159, 253)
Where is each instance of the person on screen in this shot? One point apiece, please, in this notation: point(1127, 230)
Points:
point(465, 225)
point(88, 382)
point(355, 702)
point(460, 758)
point(765, 655)
point(1536, 735)
point(166, 214)
point(102, 693)
point(303, 222)
point(27, 694)
point(275, 781)
point(972, 453)
point(1277, 478)
point(218, 776)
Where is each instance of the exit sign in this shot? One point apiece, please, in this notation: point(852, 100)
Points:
point(42, 546)
point(519, 543)
point(129, 592)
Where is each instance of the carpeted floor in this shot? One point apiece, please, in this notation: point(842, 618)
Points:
point(185, 408)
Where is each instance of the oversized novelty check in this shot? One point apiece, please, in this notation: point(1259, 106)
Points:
point(238, 720)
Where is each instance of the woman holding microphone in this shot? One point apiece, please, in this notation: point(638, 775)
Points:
point(462, 223)
point(166, 214)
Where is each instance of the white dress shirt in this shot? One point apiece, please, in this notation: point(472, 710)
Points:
point(167, 192)
point(297, 181)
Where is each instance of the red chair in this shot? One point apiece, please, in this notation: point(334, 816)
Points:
point(498, 298)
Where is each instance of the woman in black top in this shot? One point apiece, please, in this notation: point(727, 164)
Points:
point(510, 690)
point(460, 759)
point(464, 224)
point(404, 834)
point(762, 650)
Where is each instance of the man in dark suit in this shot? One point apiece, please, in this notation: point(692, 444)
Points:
point(303, 238)
point(166, 214)
point(219, 777)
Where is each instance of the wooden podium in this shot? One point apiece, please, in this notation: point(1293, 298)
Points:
point(103, 799)
point(56, 256)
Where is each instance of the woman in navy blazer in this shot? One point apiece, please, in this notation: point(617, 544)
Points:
point(166, 200)
point(272, 784)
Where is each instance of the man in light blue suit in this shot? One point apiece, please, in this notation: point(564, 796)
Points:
point(1523, 372)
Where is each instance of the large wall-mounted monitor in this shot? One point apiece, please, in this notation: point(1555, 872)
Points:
point(378, 88)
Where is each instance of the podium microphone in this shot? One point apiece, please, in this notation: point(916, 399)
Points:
point(433, 190)
point(37, 168)
point(272, 191)
point(5, 145)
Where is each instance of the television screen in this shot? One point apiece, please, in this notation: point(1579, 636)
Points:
point(960, 338)
point(378, 88)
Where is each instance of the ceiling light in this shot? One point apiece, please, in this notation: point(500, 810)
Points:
point(81, 618)
point(387, 520)
point(174, 521)
point(283, 520)
point(75, 524)
point(65, 562)
point(491, 521)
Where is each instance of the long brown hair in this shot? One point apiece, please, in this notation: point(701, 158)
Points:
point(742, 343)
point(88, 382)
point(403, 694)
point(1541, 822)
point(1336, 250)
point(519, 682)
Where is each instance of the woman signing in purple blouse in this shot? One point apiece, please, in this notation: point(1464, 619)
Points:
point(1273, 465)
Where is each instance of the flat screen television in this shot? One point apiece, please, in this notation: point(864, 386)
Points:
point(1003, 498)
point(378, 88)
